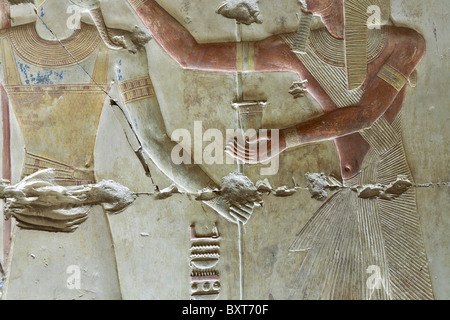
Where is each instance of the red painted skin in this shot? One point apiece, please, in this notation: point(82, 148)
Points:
point(404, 49)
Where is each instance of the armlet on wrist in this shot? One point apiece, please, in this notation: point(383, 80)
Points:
point(291, 137)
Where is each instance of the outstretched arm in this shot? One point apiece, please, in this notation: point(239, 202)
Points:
point(137, 109)
point(269, 55)
point(377, 98)
point(181, 46)
point(379, 95)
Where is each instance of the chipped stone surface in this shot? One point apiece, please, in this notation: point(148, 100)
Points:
point(244, 11)
point(39, 195)
point(159, 257)
point(238, 188)
point(318, 183)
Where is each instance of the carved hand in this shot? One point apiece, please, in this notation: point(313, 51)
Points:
point(258, 148)
point(298, 89)
point(234, 212)
point(51, 220)
point(39, 203)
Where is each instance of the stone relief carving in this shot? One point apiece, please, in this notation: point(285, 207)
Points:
point(374, 137)
point(205, 255)
point(358, 75)
point(39, 202)
point(244, 11)
point(28, 45)
point(344, 77)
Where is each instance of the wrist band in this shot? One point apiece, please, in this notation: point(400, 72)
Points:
point(393, 77)
point(291, 137)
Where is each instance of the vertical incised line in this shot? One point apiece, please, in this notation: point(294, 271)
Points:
point(240, 165)
point(6, 168)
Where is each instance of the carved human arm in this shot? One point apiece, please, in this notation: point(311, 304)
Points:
point(380, 93)
point(181, 46)
point(143, 124)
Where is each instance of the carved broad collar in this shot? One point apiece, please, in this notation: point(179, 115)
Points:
point(332, 50)
point(37, 51)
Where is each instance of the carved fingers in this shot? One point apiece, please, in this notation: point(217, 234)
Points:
point(303, 4)
point(219, 205)
point(242, 213)
point(231, 210)
point(37, 202)
point(51, 220)
point(298, 89)
point(256, 149)
point(243, 151)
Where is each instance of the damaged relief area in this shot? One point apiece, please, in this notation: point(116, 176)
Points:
point(38, 203)
point(319, 183)
point(244, 11)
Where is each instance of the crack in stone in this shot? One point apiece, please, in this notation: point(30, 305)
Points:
point(71, 55)
point(317, 190)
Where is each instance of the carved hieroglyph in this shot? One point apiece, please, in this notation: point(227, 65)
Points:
point(358, 75)
point(347, 67)
point(205, 255)
point(371, 236)
point(56, 81)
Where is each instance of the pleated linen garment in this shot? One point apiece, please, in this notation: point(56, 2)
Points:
point(361, 248)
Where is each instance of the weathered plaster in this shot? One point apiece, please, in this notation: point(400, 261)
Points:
point(151, 237)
